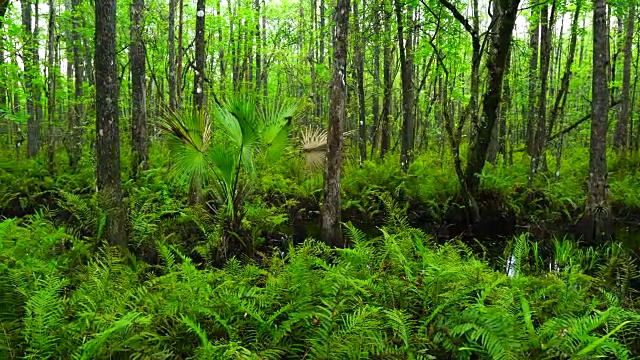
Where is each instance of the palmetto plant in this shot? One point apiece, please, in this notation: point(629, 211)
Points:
point(224, 148)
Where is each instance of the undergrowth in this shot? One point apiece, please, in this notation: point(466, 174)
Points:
point(394, 296)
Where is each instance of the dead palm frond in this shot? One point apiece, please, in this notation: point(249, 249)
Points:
point(313, 144)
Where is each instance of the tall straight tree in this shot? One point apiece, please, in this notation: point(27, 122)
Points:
point(331, 215)
point(51, 84)
point(33, 127)
point(407, 69)
point(598, 212)
point(36, 86)
point(538, 158)
point(172, 55)
point(359, 60)
point(107, 129)
point(387, 83)
point(180, 55)
point(621, 134)
point(137, 55)
point(198, 89)
point(75, 127)
point(375, 101)
point(534, 41)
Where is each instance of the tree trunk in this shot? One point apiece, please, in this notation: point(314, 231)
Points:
point(598, 209)
point(37, 90)
point(173, 104)
point(51, 84)
point(621, 136)
point(534, 41)
point(221, 60)
point(107, 129)
point(359, 60)
point(258, 78)
point(375, 101)
point(634, 138)
point(27, 60)
point(264, 74)
point(388, 86)
point(505, 12)
point(198, 91)
point(331, 214)
point(561, 96)
point(137, 56)
point(538, 156)
point(180, 56)
point(405, 46)
point(78, 108)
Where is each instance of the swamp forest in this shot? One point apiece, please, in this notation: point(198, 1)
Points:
point(319, 179)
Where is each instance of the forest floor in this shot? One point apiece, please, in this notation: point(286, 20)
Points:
point(417, 280)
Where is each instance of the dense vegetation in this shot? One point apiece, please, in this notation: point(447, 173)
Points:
point(312, 180)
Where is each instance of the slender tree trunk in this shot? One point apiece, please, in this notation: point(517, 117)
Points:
point(405, 46)
point(258, 78)
point(51, 92)
point(107, 129)
point(37, 89)
point(359, 60)
point(221, 59)
point(635, 138)
point(561, 96)
point(538, 156)
point(195, 188)
point(505, 12)
point(137, 56)
point(597, 212)
point(584, 27)
point(265, 73)
point(180, 56)
point(88, 63)
point(78, 71)
point(388, 86)
point(172, 55)
point(198, 91)
point(331, 215)
point(499, 128)
point(621, 135)
point(375, 101)
point(27, 60)
point(534, 41)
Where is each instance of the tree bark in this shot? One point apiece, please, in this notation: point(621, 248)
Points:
point(180, 56)
point(621, 135)
point(407, 69)
point(173, 104)
point(331, 213)
point(78, 71)
point(534, 41)
point(198, 90)
point(388, 86)
point(137, 56)
point(51, 84)
point(107, 128)
point(598, 209)
point(359, 60)
point(27, 60)
point(375, 101)
point(538, 155)
point(561, 97)
point(258, 78)
point(505, 12)
point(37, 90)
